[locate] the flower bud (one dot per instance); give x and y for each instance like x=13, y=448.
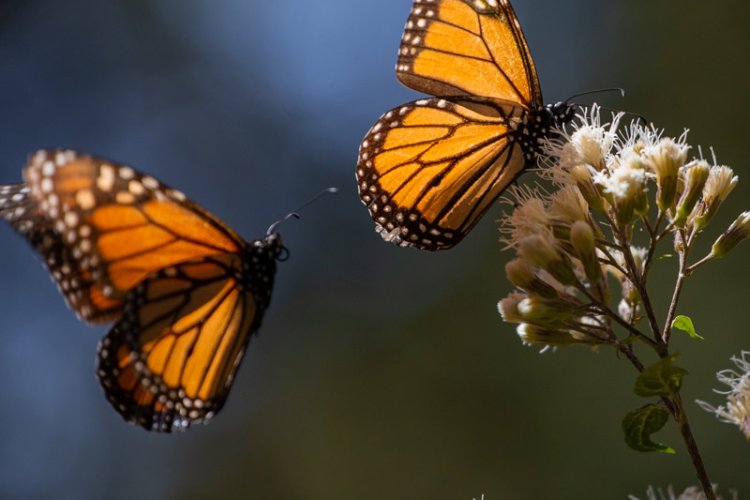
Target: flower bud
x=626, y=310
x=568, y=205
x=582, y=239
x=738, y=231
x=720, y=183
x=695, y=175
x=550, y=312
x=583, y=178
x=508, y=308
x=539, y=335
x=541, y=252
x=629, y=311
x=529, y=216
x=525, y=277
x=665, y=159
x=639, y=258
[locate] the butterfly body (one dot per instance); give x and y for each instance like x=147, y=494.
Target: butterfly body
x=428, y=170
x=185, y=291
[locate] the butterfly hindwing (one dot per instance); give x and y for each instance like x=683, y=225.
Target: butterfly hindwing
x=467, y=47
x=170, y=360
x=429, y=169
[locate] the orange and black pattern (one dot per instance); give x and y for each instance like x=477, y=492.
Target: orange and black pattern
x=185, y=291
x=428, y=170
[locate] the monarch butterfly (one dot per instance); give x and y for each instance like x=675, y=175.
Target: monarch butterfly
x=185, y=291
x=428, y=170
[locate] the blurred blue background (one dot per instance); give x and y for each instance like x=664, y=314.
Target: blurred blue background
x=379, y=372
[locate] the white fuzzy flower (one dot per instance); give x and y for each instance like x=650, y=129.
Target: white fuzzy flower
x=737, y=409
x=690, y=493
x=665, y=159
x=624, y=181
x=720, y=183
x=529, y=217
x=589, y=142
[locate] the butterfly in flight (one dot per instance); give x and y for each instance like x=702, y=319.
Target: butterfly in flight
x=428, y=170
x=184, y=290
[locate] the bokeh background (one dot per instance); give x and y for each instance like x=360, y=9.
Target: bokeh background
x=379, y=372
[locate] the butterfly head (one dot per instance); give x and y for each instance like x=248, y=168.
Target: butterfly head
x=272, y=247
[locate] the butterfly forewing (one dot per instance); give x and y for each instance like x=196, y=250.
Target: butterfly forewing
x=117, y=224
x=467, y=47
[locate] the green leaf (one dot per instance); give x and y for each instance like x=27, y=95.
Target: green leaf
x=685, y=324
x=640, y=424
x=660, y=379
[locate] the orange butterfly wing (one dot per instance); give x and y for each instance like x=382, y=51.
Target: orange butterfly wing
x=468, y=47
x=428, y=170
x=170, y=360
x=113, y=227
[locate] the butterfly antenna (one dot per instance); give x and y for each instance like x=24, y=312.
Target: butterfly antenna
x=644, y=121
x=294, y=213
x=641, y=118
x=597, y=91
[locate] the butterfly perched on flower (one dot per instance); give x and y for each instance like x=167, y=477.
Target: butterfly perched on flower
x=184, y=290
x=428, y=170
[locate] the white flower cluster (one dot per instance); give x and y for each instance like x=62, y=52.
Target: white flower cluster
x=606, y=181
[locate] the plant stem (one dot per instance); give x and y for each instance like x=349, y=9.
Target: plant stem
x=690, y=270
x=655, y=238
x=675, y=407
x=628, y=352
x=692, y=446
x=604, y=308
x=681, y=275
x=637, y=280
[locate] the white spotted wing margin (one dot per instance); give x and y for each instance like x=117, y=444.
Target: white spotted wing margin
x=21, y=211
x=169, y=362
